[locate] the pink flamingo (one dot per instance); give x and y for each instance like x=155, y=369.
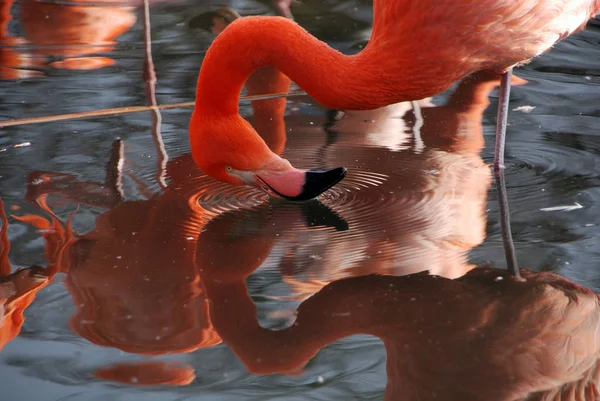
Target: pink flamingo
x=418, y=48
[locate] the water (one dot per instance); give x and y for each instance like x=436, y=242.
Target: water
x=146, y=284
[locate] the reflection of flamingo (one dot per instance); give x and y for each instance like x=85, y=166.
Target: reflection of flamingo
x=144, y=247
x=483, y=326
x=134, y=278
x=417, y=49
x=487, y=335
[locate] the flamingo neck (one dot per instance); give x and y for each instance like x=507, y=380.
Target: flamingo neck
x=332, y=78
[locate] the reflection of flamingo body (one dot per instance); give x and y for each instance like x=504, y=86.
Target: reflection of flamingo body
x=460, y=37
x=486, y=335
x=111, y=259
x=14, y=64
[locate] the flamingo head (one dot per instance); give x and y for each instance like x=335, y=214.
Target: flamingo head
x=229, y=150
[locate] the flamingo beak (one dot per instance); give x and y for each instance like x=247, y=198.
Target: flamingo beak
x=300, y=185
x=294, y=184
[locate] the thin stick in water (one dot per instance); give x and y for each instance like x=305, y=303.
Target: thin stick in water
x=130, y=109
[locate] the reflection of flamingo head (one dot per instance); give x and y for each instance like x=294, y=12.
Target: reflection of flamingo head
x=238, y=241
x=75, y=31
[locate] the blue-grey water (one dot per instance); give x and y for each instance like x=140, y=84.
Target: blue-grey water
x=127, y=278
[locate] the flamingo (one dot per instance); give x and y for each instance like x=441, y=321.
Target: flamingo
x=449, y=140
x=418, y=48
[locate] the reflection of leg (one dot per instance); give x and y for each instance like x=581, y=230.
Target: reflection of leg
x=507, y=240
x=502, y=119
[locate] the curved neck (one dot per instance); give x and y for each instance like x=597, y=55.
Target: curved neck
x=375, y=305
x=332, y=78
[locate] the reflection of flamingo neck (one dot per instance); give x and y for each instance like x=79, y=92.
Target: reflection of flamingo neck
x=333, y=79
x=325, y=318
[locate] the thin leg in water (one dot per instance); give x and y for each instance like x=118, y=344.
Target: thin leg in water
x=502, y=119
x=507, y=240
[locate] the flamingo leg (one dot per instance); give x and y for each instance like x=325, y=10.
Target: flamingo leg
x=501, y=120
x=507, y=240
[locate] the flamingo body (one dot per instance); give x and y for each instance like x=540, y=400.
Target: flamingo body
x=418, y=48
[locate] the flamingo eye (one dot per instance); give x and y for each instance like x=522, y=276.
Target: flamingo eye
x=228, y=169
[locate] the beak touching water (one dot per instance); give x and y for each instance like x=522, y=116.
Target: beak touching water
x=291, y=183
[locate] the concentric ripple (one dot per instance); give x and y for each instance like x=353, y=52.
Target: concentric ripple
x=346, y=193
x=405, y=211
x=217, y=197
x=565, y=160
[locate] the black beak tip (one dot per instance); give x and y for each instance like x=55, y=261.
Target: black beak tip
x=319, y=181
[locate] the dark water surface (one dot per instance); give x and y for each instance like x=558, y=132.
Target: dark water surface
x=143, y=259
